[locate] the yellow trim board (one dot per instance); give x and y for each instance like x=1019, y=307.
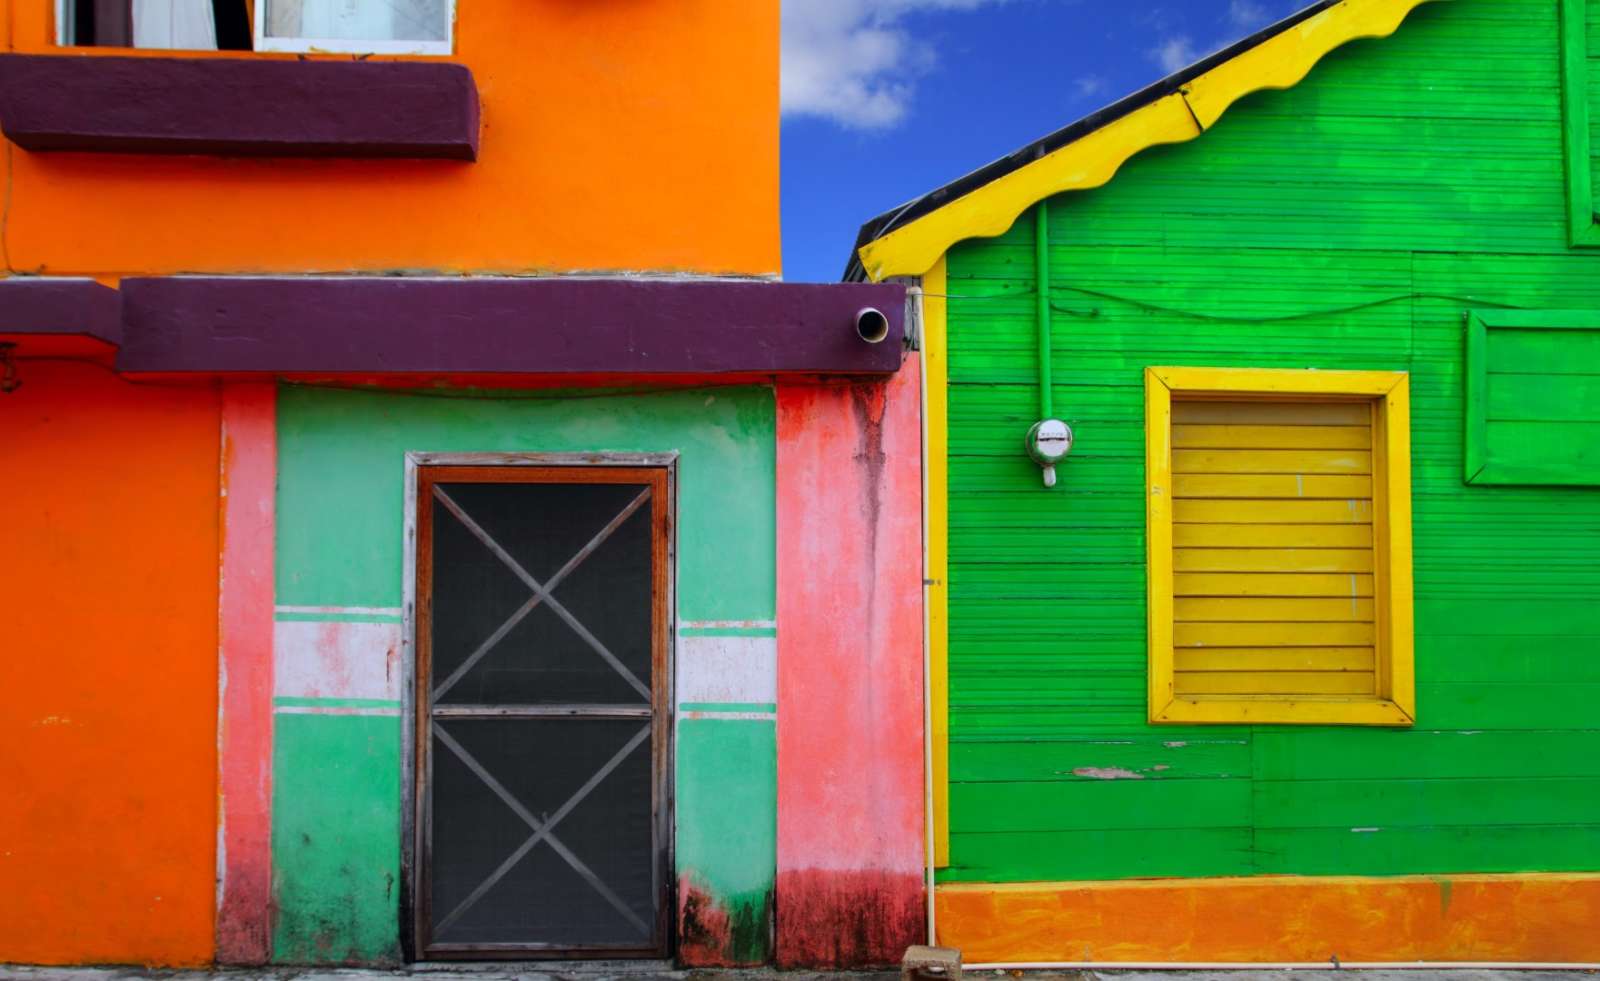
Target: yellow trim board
x=1388, y=393
x=1279, y=62
x=1536, y=918
x=936, y=458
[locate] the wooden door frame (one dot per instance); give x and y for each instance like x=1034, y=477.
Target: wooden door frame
x=414, y=911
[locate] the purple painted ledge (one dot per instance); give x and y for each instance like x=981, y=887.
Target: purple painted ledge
x=381, y=325
x=239, y=106
x=40, y=309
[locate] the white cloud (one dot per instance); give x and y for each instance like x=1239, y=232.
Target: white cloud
x=1248, y=15
x=854, y=61
x=1089, y=86
x=1174, y=53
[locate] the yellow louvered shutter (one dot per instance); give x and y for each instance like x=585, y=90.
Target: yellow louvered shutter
x=1272, y=549
x=1279, y=530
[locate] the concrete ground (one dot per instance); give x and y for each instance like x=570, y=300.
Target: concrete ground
x=635, y=971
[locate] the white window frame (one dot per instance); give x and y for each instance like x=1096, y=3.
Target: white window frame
x=300, y=45
x=308, y=45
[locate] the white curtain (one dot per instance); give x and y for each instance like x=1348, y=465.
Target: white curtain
x=359, y=20
x=187, y=24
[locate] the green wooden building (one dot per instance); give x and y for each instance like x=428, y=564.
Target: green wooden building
x=1299, y=658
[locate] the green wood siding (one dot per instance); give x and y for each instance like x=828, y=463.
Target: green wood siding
x=1347, y=223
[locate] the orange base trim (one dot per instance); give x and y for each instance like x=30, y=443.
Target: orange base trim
x=1544, y=918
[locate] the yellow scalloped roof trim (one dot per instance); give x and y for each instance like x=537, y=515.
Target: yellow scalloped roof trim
x=1279, y=62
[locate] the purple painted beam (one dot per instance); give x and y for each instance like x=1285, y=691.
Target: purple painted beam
x=37, y=306
x=239, y=107
x=504, y=326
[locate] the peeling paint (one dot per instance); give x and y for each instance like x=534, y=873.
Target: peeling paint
x=337, y=660
x=732, y=932
x=1446, y=893
x=1106, y=773
x=868, y=403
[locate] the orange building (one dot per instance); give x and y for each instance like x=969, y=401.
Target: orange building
x=270, y=268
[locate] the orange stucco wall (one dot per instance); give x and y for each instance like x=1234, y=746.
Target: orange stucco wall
x=617, y=135
x=108, y=608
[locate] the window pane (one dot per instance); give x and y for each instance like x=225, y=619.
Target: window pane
x=174, y=24
x=359, y=20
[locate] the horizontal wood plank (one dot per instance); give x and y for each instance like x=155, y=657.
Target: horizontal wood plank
x=1271, y=584
x=1100, y=853
x=1191, y=659
x=1275, y=683
x=1271, y=536
x=1259, y=634
x=1324, y=560
x=1186, y=412
x=1271, y=609
x=1544, y=352
x=1109, y=802
x=1348, y=462
x=1149, y=758
x=1271, y=437
x=1425, y=803
x=1532, y=398
x=1280, y=486
x=1244, y=511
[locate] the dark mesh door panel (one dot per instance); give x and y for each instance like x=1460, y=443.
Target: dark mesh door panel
x=593, y=884
x=544, y=658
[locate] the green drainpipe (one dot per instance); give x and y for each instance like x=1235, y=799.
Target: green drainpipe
x=1041, y=266
x=1049, y=440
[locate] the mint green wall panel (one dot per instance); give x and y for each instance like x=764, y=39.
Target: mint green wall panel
x=727, y=835
x=1346, y=223
x=340, y=549
x=337, y=792
x=336, y=839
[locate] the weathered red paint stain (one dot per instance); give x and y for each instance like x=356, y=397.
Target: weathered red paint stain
x=722, y=933
x=847, y=919
x=702, y=928
x=849, y=889
x=249, y=474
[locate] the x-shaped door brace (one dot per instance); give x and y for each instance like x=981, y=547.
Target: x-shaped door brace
x=542, y=830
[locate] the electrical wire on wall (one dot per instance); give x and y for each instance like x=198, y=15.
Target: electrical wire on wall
x=1151, y=307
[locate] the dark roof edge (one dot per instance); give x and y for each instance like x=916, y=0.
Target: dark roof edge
x=877, y=227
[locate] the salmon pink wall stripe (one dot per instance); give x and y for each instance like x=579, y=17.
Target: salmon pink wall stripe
x=244, y=723
x=850, y=791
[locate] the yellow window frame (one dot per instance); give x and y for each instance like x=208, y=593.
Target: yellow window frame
x=1388, y=393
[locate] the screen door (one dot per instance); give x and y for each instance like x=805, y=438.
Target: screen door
x=541, y=710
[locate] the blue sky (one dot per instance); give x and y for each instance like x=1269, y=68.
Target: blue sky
x=886, y=99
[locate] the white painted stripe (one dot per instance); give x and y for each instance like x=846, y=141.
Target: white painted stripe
x=758, y=716
x=727, y=669
x=336, y=660
x=333, y=710
x=357, y=611
x=728, y=624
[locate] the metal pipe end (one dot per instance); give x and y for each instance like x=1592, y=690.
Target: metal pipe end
x=871, y=325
